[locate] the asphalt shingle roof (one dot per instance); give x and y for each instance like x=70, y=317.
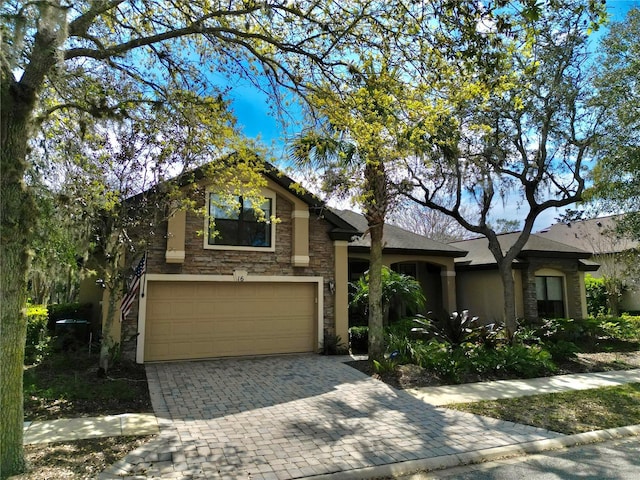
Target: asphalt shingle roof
x=479, y=253
x=396, y=238
x=593, y=235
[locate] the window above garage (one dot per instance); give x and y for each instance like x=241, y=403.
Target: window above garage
x=237, y=223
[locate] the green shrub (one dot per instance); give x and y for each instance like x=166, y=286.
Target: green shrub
x=359, y=339
x=439, y=358
x=596, y=295
x=399, y=340
x=332, y=344
x=397, y=289
x=402, y=327
x=570, y=330
x=526, y=361
x=626, y=327
x=38, y=340
x=561, y=349
x=385, y=365
x=523, y=360
x=457, y=327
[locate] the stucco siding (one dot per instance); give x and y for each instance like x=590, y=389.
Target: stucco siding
x=481, y=293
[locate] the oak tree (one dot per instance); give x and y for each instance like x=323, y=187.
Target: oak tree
x=616, y=176
x=69, y=57
x=520, y=132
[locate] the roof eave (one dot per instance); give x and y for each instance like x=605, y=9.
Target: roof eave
x=409, y=251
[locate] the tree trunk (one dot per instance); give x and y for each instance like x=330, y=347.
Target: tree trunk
x=12, y=342
x=376, y=317
x=612, y=301
x=109, y=346
x=510, y=319
x=16, y=219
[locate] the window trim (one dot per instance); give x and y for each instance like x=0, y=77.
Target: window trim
x=267, y=194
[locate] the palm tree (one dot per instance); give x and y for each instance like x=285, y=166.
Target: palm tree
x=397, y=289
x=348, y=167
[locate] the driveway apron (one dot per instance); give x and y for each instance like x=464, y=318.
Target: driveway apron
x=296, y=416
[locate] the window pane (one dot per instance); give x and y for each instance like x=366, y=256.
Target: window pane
x=227, y=233
x=554, y=288
x=239, y=225
x=218, y=209
x=248, y=213
x=256, y=234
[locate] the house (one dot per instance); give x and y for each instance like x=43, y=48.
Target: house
x=548, y=275
x=619, y=257
x=261, y=288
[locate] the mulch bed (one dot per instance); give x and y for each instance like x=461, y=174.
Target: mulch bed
x=413, y=376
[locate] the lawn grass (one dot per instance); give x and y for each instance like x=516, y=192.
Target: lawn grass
x=567, y=412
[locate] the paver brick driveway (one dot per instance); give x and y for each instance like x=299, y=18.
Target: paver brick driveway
x=295, y=416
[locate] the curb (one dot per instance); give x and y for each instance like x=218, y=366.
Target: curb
x=480, y=456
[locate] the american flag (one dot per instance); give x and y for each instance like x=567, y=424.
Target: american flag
x=127, y=301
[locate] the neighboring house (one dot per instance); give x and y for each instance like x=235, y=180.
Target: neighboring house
x=619, y=257
x=428, y=261
x=549, y=279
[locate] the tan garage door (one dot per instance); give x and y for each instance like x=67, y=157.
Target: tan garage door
x=188, y=320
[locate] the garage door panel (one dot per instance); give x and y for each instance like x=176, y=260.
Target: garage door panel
x=186, y=320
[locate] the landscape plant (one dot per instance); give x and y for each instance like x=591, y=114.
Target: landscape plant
x=398, y=290
x=38, y=337
x=596, y=295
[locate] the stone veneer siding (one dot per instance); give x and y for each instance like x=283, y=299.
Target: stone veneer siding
x=201, y=261
x=573, y=286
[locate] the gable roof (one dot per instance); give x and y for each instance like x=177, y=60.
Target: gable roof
x=479, y=254
x=595, y=235
x=341, y=230
x=396, y=239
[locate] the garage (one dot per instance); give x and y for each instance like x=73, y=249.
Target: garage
x=192, y=319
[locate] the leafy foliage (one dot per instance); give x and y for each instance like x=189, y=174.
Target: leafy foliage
x=359, y=339
x=564, y=337
x=396, y=289
x=519, y=131
x=616, y=177
x=532, y=353
x=596, y=295
x=333, y=344
x=38, y=339
x=459, y=328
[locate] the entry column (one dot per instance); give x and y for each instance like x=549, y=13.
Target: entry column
x=448, y=278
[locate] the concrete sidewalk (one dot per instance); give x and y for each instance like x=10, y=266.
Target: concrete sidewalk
x=474, y=392
x=90, y=427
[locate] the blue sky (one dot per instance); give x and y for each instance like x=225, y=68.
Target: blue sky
x=251, y=107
